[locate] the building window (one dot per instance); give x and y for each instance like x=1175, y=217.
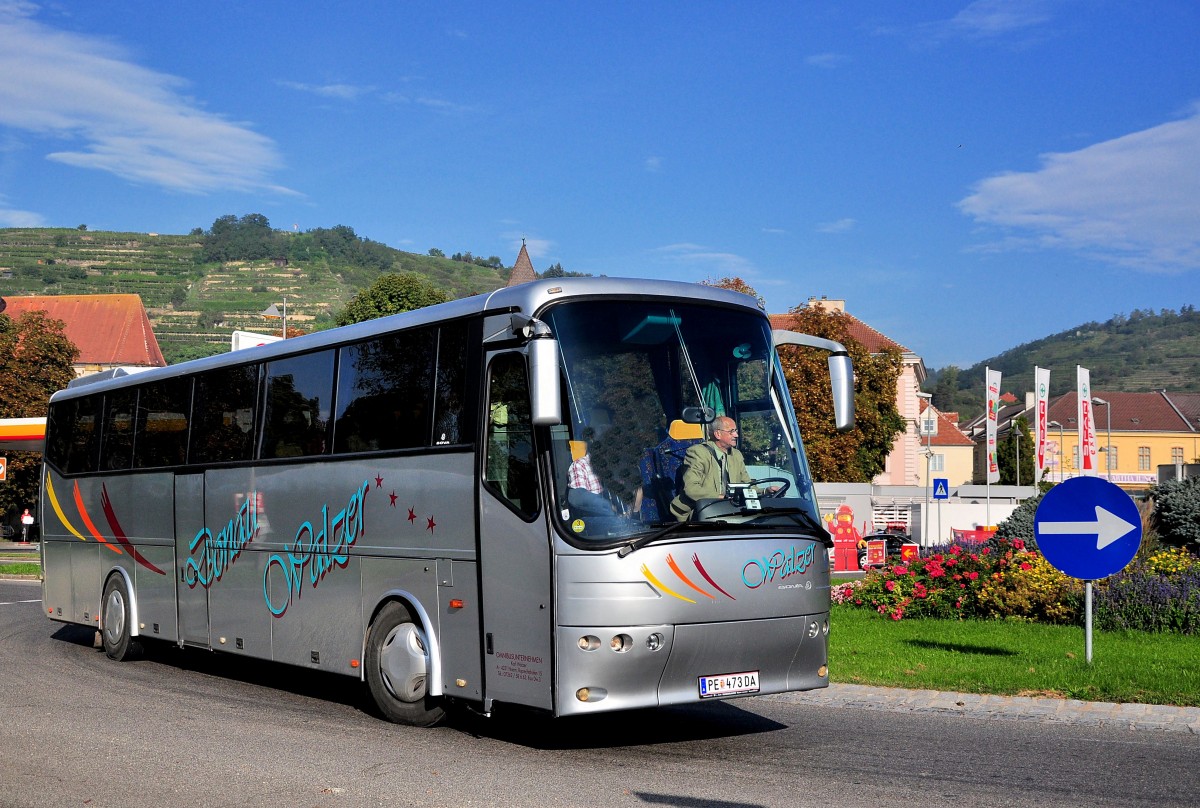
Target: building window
x=1177, y=455
x=1110, y=458
x=1075, y=456
x=937, y=462
x=1143, y=458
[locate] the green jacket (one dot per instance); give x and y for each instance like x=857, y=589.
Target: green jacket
x=702, y=478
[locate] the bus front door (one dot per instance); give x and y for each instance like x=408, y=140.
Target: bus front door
x=514, y=547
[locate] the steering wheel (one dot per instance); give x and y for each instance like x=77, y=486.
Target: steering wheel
x=778, y=492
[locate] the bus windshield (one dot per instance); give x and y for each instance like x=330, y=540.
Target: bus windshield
x=644, y=381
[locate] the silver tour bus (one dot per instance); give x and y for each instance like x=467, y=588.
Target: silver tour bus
x=469, y=503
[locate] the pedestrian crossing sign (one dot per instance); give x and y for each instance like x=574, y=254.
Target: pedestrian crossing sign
x=941, y=488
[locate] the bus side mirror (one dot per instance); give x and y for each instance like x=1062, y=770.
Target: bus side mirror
x=841, y=379
x=544, y=375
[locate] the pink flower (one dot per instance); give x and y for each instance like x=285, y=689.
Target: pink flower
x=955, y=550
x=1025, y=566
x=899, y=569
x=1018, y=544
x=971, y=576
x=890, y=586
x=896, y=615
x=985, y=551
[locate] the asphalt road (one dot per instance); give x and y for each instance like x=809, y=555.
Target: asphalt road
x=195, y=728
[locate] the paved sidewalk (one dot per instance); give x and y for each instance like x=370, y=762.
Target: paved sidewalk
x=1005, y=708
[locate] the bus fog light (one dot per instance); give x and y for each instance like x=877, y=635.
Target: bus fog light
x=591, y=694
x=621, y=643
x=814, y=629
x=823, y=671
x=655, y=641
x=825, y=627
x=589, y=643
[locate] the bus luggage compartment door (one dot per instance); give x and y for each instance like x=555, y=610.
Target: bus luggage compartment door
x=193, y=599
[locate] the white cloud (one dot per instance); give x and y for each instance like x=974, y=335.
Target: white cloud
x=839, y=226
x=1133, y=200
x=119, y=117
x=826, y=60
x=719, y=263
x=653, y=164
x=21, y=218
x=991, y=18
x=536, y=247
x=345, y=92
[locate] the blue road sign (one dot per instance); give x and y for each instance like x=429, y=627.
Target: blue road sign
x=1088, y=528
x=941, y=488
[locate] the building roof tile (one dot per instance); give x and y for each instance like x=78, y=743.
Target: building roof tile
x=109, y=330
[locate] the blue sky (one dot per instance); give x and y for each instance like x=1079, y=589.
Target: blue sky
x=968, y=176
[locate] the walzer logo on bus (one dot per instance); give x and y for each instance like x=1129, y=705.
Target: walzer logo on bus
x=783, y=563
x=319, y=550
x=218, y=554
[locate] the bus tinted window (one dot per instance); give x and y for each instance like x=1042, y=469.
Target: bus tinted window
x=448, y=424
x=384, y=393
x=73, y=442
x=223, y=410
x=299, y=395
x=117, y=442
x=162, y=422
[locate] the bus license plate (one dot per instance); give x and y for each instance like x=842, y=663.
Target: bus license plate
x=728, y=684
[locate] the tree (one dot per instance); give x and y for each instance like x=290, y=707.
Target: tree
x=946, y=389
x=858, y=455
x=736, y=284
x=391, y=294
x=434, y=252
x=35, y=360
x=1177, y=512
x=1007, y=451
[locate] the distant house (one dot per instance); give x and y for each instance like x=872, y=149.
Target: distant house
x=109, y=330
x=522, y=271
x=905, y=465
x=1137, y=433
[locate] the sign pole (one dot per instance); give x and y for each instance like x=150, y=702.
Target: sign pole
x=1087, y=621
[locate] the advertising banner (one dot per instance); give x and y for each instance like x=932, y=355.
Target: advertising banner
x=1041, y=392
x=993, y=407
x=1087, y=422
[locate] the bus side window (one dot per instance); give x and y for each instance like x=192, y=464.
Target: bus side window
x=73, y=435
x=509, y=469
x=223, y=411
x=116, y=452
x=299, y=395
x=162, y=423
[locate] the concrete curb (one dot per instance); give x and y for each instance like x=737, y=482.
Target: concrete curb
x=1005, y=708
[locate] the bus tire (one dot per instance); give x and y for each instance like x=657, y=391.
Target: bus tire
x=398, y=668
x=116, y=621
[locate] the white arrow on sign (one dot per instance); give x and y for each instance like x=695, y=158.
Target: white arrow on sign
x=1107, y=528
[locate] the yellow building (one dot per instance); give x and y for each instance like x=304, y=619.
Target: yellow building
x=1136, y=433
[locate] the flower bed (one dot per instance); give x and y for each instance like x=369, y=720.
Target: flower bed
x=1007, y=580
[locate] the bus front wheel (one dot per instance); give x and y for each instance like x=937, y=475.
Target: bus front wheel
x=116, y=621
x=398, y=668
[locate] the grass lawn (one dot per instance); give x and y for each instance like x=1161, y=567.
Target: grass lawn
x=1012, y=658
x=20, y=568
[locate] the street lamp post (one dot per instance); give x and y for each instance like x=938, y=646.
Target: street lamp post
x=928, y=397
x=1061, y=473
x=1108, y=464
x=272, y=312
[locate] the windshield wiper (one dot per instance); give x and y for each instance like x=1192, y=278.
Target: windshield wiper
x=642, y=541
x=801, y=515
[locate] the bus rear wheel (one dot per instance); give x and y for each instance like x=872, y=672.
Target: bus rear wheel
x=116, y=621
x=398, y=669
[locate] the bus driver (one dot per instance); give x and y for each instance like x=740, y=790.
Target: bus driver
x=709, y=468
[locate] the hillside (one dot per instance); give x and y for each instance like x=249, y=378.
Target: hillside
x=194, y=304
x=1138, y=352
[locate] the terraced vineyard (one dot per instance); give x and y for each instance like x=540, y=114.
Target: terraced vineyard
x=195, y=306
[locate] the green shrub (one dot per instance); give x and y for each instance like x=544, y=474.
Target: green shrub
x=1176, y=515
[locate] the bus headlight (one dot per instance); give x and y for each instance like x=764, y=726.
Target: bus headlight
x=655, y=641
x=589, y=643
